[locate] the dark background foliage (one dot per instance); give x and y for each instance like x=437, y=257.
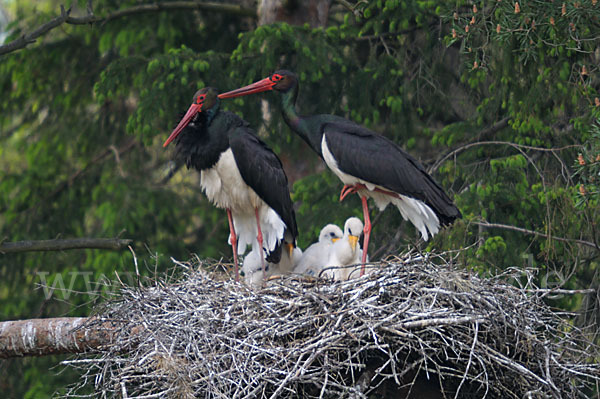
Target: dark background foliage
x=499, y=102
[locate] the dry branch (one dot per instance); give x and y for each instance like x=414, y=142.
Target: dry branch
x=411, y=319
x=40, y=337
x=519, y=147
x=537, y=233
x=61, y=245
x=90, y=18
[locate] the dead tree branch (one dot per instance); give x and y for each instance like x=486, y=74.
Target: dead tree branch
x=41, y=337
x=537, y=233
x=61, y=245
x=90, y=18
x=495, y=142
x=29, y=38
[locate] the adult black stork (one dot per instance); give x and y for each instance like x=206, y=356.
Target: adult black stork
x=239, y=173
x=367, y=163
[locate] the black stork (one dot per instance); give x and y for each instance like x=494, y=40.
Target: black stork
x=239, y=173
x=367, y=163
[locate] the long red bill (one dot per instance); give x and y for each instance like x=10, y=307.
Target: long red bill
x=256, y=87
x=191, y=112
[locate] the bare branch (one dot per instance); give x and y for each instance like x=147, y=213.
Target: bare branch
x=61, y=245
x=501, y=124
x=90, y=18
x=496, y=142
x=350, y=7
x=129, y=145
x=41, y=337
x=537, y=233
x=29, y=38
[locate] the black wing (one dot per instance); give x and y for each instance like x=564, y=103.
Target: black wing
x=262, y=170
x=374, y=158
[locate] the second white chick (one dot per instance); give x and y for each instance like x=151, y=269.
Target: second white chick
x=252, y=266
x=289, y=260
x=346, y=252
x=316, y=256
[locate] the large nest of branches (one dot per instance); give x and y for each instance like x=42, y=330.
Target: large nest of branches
x=415, y=327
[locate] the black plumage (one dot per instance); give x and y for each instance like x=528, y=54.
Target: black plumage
x=366, y=162
x=210, y=132
x=369, y=156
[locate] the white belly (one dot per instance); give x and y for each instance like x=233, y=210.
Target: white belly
x=414, y=210
x=225, y=188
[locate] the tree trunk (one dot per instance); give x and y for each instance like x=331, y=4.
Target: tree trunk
x=294, y=12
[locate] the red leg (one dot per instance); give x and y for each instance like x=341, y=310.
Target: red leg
x=367, y=232
x=233, y=244
x=259, y=238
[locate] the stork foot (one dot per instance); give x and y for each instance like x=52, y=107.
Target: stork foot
x=349, y=189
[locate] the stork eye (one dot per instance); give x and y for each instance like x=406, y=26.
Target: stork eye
x=277, y=77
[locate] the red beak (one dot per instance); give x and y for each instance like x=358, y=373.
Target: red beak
x=191, y=112
x=257, y=87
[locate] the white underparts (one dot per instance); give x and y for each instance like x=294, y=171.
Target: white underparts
x=225, y=188
x=417, y=212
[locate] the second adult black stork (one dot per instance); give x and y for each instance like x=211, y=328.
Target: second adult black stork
x=239, y=173
x=367, y=163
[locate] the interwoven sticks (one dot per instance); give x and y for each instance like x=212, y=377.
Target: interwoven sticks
x=414, y=324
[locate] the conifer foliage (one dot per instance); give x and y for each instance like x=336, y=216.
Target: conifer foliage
x=498, y=99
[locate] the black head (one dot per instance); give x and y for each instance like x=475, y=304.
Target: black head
x=205, y=100
x=284, y=80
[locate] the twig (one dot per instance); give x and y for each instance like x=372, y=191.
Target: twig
x=350, y=7
x=129, y=145
x=537, y=233
x=495, y=142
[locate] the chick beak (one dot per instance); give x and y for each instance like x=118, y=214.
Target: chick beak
x=353, y=242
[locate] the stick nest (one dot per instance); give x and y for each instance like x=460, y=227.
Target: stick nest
x=413, y=327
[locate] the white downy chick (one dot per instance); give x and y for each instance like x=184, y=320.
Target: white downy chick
x=252, y=266
x=346, y=252
x=316, y=256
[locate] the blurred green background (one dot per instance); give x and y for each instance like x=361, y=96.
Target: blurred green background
x=500, y=104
